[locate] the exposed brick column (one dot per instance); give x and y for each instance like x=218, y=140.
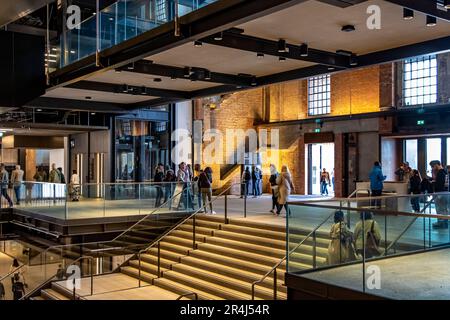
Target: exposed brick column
x=300, y=187
x=338, y=164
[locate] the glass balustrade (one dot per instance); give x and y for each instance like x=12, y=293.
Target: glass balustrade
x=119, y=22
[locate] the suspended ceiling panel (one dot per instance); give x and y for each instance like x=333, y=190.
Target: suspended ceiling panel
x=319, y=25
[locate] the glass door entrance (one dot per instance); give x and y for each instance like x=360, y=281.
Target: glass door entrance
x=320, y=157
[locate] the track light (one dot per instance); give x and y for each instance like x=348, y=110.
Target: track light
x=281, y=59
x=431, y=21
x=447, y=4
x=143, y=90
x=124, y=88
x=38, y=110
x=408, y=14
x=304, y=50
x=218, y=36
x=187, y=72
x=253, y=82
x=198, y=44
x=353, y=60
x=282, y=46
x=260, y=55
x=207, y=75
x=157, y=80
x=131, y=66
x=331, y=68
x=173, y=78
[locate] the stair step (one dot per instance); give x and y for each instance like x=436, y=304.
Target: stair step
x=254, y=248
x=153, y=259
x=200, y=230
x=146, y=278
x=223, y=281
x=180, y=289
x=51, y=294
x=146, y=267
x=211, y=288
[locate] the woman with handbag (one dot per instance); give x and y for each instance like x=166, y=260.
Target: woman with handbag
x=367, y=236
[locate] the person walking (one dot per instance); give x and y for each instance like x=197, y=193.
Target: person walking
x=440, y=200
x=169, y=184
x=4, y=181
x=376, y=183
x=273, y=186
x=367, y=236
x=325, y=181
x=74, y=186
x=205, y=184
x=16, y=181
x=340, y=248
x=285, y=187
x=415, y=189
x=158, y=178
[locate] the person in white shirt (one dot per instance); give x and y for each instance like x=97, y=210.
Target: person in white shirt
x=16, y=181
x=75, y=186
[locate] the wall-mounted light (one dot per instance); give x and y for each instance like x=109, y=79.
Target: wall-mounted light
x=282, y=46
x=207, y=75
x=218, y=36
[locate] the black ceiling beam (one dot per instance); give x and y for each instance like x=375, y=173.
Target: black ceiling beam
x=77, y=105
x=428, y=7
x=214, y=18
x=153, y=103
x=133, y=90
x=405, y=52
x=244, y=42
x=198, y=74
x=342, y=3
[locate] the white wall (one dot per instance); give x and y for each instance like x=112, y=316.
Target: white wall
x=183, y=120
x=57, y=156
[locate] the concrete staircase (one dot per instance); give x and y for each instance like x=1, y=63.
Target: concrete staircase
x=227, y=260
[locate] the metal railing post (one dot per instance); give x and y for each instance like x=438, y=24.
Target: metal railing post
x=275, y=284
x=92, y=275
x=139, y=271
x=226, y=209
x=245, y=201
x=193, y=233
x=159, y=259
x=314, y=250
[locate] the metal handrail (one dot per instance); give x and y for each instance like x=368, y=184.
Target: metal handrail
x=160, y=238
x=187, y=295
x=11, y=272
x=91, y=270
x=356, y=193
x=284, y=259
x=44, y=253
x=394, y=242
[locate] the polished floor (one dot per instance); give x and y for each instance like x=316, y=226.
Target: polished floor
x=423, y=276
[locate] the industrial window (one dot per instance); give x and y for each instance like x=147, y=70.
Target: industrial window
x=420, y=80
x=319, y=97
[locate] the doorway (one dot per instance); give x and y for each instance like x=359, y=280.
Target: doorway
x=319, y=156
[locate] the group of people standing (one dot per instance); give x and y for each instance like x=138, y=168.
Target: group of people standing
x=255, y=178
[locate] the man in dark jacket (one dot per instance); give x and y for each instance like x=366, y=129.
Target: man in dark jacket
x=440, y=201
x=415, y=183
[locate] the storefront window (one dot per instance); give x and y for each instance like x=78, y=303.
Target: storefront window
x=140, y=146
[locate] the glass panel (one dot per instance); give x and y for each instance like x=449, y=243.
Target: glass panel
x=411, y=153
x=433, y=153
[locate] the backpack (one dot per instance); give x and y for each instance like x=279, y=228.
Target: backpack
x=204, y=180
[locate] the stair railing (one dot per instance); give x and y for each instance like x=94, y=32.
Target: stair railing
x=187, y=295
x=11, y=272
x=355, y=193
x=157, y=242
x=274, y=269
x=393, y=244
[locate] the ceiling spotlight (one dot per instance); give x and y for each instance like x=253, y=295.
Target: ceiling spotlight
x=348, y=28
x=143, y=90
x=118, y=70
x=198, y=44
x=218, y=36
x=282, y=46
x=304, y=50
x=157, y=80
x=187, y=72
x=88, y=98
x=38, y=110
x=173, y=78
x=124, y=88
x=207, y=75
x=131, y=66
x=92, y=113
x=253, y=82
x=260, y=55
x=431, y=21
x=353, y=60
x=331, y=68
x=282, y=59
x=408, y=14
x=447, y=4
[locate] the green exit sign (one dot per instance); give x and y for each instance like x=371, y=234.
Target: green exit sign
x=317, y=130
x=420, y=122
